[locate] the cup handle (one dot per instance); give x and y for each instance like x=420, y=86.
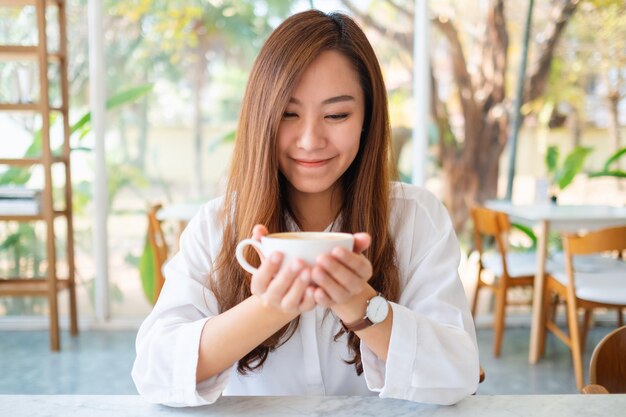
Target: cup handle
x=240, y=256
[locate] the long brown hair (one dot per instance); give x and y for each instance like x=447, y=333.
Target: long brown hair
x=256, y=192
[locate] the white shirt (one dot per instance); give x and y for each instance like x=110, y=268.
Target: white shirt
x=432, y=354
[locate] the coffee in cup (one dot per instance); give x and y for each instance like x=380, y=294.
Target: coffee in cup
x=306, y=246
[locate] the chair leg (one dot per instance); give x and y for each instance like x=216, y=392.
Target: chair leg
x=620, y=317
x=584, y=331
x=549, y=314
x=499, y=316
x=475, y=299
x=73, y=310
x=574, y=336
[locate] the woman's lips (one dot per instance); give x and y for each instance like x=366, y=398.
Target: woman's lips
x=311, y=163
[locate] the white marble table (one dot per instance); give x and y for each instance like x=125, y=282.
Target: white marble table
x=561, y=218
x=475, y=406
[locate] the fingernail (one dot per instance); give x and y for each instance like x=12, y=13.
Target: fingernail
x=275, y=258
x=338, y=251
x=305, y=276
x=296, y=265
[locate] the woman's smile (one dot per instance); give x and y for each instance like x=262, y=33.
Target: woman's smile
x=312, y=163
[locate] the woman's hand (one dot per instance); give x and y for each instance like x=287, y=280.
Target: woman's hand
x=285, y=288
x=342, y=274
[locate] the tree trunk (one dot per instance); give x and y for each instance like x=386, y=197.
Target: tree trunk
x=616, y=141
x=140, y=160
x=573, y=121
x=199, y=78
x=470, y=160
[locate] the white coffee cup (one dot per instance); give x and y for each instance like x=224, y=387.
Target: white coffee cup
x=306, y=246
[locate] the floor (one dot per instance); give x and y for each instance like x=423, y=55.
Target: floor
x=99, y=362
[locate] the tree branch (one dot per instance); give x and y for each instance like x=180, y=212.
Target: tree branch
x=405, y=40
x=540, y=68
x=403, y=10
x=495, y=47
x=461, y=75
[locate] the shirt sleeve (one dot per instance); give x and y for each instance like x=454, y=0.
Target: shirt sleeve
x=433, y=355
x=168, y=341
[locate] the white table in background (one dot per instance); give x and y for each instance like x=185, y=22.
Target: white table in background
x=560, y=218
x=478, y=405
x=180, y=212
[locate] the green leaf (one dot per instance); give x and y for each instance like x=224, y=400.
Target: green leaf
x=119, y=99
x=614, y=173
x=147, y=272
x=527, y=231
x=552, y=157
x=573, y=165
x=617, y=155
x=226, y=138
x=11, y=241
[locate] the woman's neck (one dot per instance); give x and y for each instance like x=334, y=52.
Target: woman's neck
x=315, y=212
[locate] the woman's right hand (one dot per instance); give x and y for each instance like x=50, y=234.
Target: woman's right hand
x=286, y=288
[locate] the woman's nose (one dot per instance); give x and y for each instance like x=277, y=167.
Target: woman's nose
x=312, y=138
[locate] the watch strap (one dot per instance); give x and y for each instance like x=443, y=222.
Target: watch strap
x=355, y=326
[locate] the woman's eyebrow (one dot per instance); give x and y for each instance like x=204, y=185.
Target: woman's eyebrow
x=336, y=99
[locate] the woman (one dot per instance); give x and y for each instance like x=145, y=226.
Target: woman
x=312, y=154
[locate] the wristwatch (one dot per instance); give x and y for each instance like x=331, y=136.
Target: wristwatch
x=376, y=312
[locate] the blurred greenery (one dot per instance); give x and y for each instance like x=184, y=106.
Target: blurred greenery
x=611, y=166
x=22, y=245
x=561, y=175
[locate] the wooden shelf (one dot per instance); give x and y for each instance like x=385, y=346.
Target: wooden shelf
x=29, y=217
x=22, y=3
x=25, y=52
x=26, y=162
x=20, y=107
x=30, y=286
x=28, y=107
x=40, y=210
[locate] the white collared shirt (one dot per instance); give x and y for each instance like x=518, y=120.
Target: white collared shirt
x=432, y=357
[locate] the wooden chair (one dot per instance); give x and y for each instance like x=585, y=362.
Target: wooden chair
x=156, y=239
x=607, y=370
x=605, y=287
x=509, y=269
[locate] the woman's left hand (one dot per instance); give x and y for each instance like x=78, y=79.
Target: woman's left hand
x=342, y=274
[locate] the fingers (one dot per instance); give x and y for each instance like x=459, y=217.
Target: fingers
x=258, y=231
x=358, y=264
x=362, y=241
x=341, y=275
x=294, y=295
x=262, y=278
x=331, y=287
x=308, y=301
x=321, y=298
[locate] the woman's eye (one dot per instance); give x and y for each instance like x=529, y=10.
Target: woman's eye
x=289, y=115
x=338, y=116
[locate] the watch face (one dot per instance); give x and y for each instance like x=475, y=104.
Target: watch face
x=377, y=309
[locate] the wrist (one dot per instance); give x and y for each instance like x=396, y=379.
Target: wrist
x=354, y=309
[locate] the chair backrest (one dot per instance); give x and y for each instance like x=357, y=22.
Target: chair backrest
x=604, y=240
x=157, y=241
x=611, y=239
x=608, y=362
x=491, y=223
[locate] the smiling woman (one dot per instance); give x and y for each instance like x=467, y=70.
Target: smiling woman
x=388, y=318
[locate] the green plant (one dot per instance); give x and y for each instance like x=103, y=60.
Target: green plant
x=561, y=175
x=607, y=171
x=22, y=245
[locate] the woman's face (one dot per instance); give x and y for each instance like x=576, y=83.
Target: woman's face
x=319, y=134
